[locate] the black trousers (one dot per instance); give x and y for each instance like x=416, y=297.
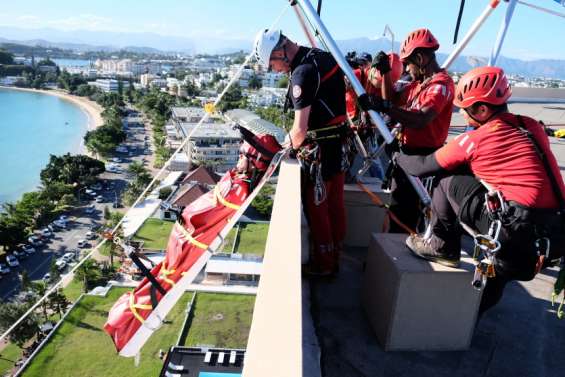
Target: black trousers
x=461, y=198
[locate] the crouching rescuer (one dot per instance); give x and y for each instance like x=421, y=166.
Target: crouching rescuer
x=317, y=92
x=500, y=180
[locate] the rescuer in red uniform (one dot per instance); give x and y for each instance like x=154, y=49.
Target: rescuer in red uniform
x=317, y=92
x=511, y=154
x=423, y=109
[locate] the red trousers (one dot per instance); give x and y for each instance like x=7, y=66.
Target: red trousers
x=327, y=222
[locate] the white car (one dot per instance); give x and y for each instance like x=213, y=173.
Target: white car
x=99, y=199
x=90, y=209
x=68, y=257
x=116, y=160
x=64, y=218
x=47, y=277
x=90, y=235
x=61, y=264
x=60, y=224
x=35, y=241
x=28, y=249
x=12, y=261
x=20, y=254
x=46, y=232
x=4, y=269
x=82, y=243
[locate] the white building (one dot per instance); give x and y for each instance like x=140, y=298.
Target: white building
x=110, y=85
x=271, y=79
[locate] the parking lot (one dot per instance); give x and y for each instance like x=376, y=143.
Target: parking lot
x=83, y=219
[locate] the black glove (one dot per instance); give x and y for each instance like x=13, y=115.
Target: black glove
x=381, y=63
x=367, y=103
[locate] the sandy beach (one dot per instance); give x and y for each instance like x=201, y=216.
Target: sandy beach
x=91, y=108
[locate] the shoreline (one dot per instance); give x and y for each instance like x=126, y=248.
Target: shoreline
x=92, y=110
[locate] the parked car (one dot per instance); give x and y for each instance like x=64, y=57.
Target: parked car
x=90, y=235
x=99, y=199
x=68, y=257
x=46, y=233
x=20, y=254
x=46, y=277
x=12, y=261
x=52, y=228
x=97, y=186
x=35, y=241
x=28, y=249
x=90, y=209
x=116, y=160
x=82, y=243
x=61, y=264
x=60, y=224
x=4, y=269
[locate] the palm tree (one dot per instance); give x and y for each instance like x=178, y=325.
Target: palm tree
x=58, y=303
x=40, y=287
x=87, y=273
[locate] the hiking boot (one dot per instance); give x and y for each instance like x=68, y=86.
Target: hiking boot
x=435, y=249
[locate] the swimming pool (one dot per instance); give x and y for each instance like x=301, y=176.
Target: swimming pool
x=216, y=374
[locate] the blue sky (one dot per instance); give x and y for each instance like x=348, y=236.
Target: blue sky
x=532, y=34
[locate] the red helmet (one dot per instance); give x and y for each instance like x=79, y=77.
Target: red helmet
x=396, y=68
x=260, y=150
x=420, y=38
x=482, y=84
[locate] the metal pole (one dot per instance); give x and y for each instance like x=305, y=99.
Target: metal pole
x=472, y=31
x=302, y=23
x=389, y=30
x=338, y=56
x=502, y=33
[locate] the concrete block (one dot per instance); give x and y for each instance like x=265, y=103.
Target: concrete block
x=363, y=216
x=416, y=305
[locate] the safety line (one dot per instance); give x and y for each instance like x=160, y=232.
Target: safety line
x=558, y=14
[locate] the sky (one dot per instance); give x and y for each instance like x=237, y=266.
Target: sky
x=532, y=34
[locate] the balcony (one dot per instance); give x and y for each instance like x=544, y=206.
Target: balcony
x=307, y=327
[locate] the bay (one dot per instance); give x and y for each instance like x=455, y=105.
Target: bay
x=33, y=126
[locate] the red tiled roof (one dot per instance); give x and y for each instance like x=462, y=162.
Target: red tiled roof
x=201, y=175
x=189, y=194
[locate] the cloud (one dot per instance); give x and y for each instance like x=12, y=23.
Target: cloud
x=89, y=22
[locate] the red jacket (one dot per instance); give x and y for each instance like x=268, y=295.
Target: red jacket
x=504, y=158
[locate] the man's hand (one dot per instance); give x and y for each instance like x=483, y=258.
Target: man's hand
x=382, y=63
x=367, y=103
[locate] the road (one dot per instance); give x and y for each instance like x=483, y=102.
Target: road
x=66, y=240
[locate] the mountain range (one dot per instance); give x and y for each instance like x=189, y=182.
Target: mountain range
x=144, y=42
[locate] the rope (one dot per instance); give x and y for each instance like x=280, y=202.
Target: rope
x=142, y=195
x=558, y=14
x=375, y=199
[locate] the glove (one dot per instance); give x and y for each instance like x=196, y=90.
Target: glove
x=381, y=63
x=367, y=103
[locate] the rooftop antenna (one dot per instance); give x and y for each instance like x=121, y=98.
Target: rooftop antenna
x=389, y=31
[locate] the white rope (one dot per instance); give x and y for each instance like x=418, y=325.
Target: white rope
x=558, y=14
x=185, y=142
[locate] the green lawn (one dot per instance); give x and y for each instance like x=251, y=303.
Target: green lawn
x=8, y=356
x=73, y=290
x=251, y=239
x=81, y=348
x=222, y=320
x=154, y=233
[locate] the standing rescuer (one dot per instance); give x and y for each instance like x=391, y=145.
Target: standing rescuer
x=317, y=92
x=511, y=154
x=423, y=109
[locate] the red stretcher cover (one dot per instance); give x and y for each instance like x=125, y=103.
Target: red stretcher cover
x=203, y=221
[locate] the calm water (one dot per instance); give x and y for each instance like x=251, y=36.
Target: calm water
x=33, y=126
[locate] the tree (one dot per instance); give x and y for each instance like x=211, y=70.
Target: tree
x=283, y=82
x=25, y=280
x=263, y=202
x=6, y=58
x=233, y=99
x=58, y=302
x=13, y=229
x=10, y=312
x=41, y=288
x=71, y=170
x=255, y=82
x=54, y=273
x=87, y=273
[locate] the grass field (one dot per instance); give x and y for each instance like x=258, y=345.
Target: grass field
x=154, y=233
x=251, y=239
x=8, y=356
x=81, y=348
x=222, y=320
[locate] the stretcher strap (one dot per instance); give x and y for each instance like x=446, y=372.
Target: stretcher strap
x=133, y=307
x=191, y=239
x=164, y=273
x=375, y=199
x=222, y=200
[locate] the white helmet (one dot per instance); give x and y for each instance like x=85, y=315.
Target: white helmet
x=265, y=42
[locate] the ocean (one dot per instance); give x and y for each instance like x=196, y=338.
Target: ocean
x=32, y=127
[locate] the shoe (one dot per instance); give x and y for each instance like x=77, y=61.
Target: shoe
x=435, y=250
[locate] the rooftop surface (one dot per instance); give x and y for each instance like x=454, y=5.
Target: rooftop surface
x=211, y=130
x=521, y=336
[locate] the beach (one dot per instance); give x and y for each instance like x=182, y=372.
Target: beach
x=91, y=108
